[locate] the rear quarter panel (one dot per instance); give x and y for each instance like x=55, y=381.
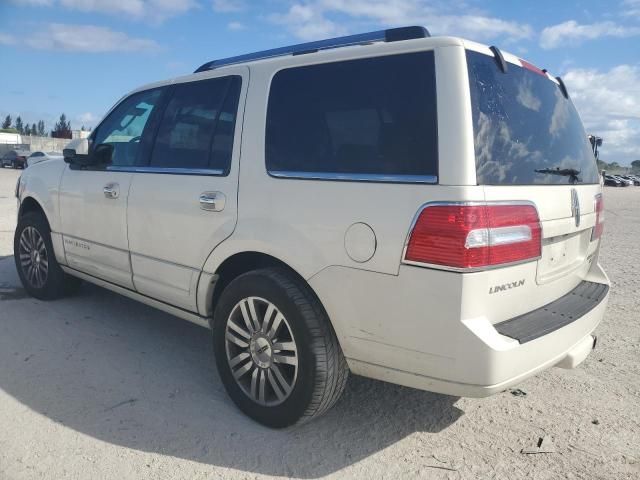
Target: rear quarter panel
x=304, y=222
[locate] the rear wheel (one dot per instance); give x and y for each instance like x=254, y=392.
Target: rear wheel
x=276, y=352
x=37, y=267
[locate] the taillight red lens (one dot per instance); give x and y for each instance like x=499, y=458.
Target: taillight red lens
x=599, y=227
x=474, y=236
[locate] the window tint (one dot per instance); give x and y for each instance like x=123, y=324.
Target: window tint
x=123, y=128
x=525, y=131
x=368, y=117
x=197, y=126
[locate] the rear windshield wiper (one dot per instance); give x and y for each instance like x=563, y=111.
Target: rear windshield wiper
x=572, y=173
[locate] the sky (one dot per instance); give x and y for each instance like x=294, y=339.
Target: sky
x=80, y=56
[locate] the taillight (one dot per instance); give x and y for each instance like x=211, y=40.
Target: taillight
x=475, y=236
x=596, y=233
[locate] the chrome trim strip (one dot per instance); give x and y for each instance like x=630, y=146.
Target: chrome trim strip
x=174, y=171
x=355, y=177
x=435, y=266
x=472, y=269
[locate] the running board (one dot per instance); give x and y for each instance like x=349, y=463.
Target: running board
x=165, y=307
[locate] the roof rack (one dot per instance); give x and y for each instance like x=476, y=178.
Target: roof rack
x=389, y=35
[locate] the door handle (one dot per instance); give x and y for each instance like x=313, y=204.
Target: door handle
x=212, y=201
x=111, y=190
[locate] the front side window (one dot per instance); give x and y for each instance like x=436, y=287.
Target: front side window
x=372, y=118
x=126, y=124
x=197, y=127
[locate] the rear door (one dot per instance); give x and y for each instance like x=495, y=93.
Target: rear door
x=530, y=145
x=183, y=202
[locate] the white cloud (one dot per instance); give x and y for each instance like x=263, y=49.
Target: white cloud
x=609, y=104
x=87, y=38
x=6, y=39
x=229, y=6
x=37, y=3
x=235, y=26
x=87, y=118
x=152, y=10
x=308, y=22
x=573, y=33
x=631, y=8
x=324, y=18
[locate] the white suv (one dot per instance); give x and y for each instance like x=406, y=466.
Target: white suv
x=424, y=211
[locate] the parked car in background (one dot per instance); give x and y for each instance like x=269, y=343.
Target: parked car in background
x=635, y=180
x=15, y=158
x=37, y=157
x=611, y=181
x=624, y=181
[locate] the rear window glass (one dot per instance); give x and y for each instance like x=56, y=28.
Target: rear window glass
x=525, y=131
x=197, y=126
x=371, y=118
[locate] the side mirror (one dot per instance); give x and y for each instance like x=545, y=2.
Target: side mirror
x=77, y=152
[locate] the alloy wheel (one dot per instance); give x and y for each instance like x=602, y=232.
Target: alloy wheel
x=261, y=351
x=34, y=259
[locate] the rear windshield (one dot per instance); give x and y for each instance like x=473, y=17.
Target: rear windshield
x=525, y=131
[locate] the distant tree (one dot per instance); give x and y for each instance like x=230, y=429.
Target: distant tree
x=34, y=129
x=62, y=129
x=82, y=128
x=19, y=125
x=26, y=130
x=614, y=165
x=7, y=122
x=41, y=130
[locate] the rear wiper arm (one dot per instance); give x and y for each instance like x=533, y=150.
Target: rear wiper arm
x=565, y=172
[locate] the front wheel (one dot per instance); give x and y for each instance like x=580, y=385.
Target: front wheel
x=276, y=352
x=36, y=263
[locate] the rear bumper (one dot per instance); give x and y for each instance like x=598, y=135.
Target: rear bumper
x=557, y=314
x=411, y=339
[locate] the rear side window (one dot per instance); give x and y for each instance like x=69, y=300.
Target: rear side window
x=197, y=127
x=371, y=119
x=525, y=131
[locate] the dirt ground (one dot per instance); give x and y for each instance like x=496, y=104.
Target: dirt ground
x=100, y=387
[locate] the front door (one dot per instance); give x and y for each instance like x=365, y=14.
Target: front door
x=93, y=201
x=184, y=202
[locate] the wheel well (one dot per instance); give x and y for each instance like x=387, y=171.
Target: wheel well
x=244, y=262
x=29, y=205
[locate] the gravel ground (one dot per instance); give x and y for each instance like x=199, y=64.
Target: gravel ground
x=99, y=386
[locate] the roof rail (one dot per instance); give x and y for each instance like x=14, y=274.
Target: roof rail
x=389, y=35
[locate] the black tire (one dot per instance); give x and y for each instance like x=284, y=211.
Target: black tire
x=56, y=282
x=322, y=370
